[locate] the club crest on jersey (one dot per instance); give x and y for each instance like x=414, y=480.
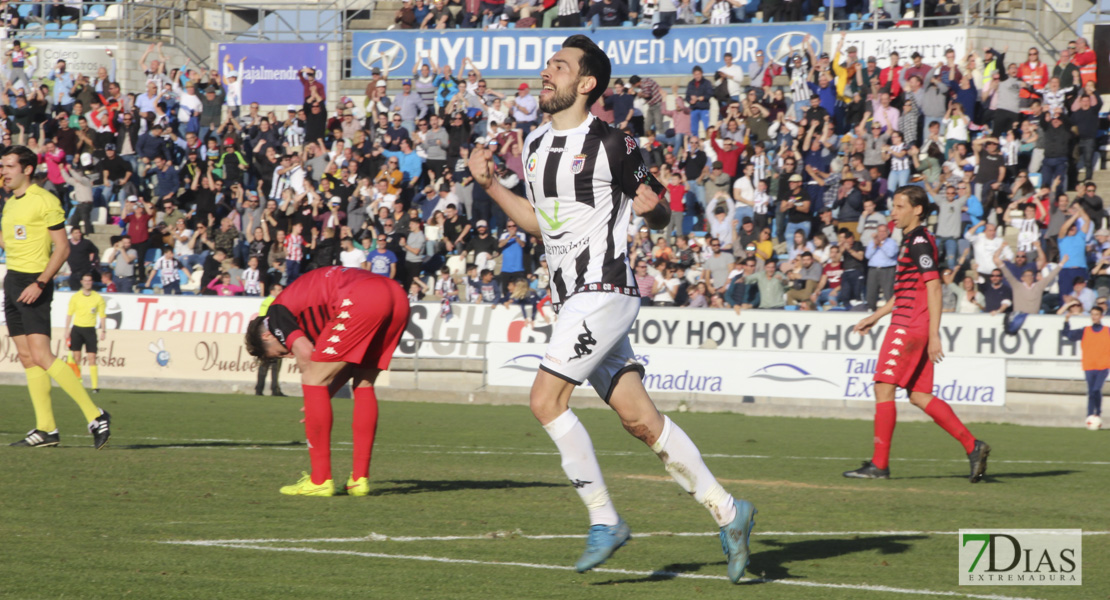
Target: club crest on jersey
x=629, y=144
x=530, y=171
x=578, y=163
x=20, y=232
x=926, y=262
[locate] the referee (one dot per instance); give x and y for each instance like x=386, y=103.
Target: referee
x=84, y=308
x=32, y=221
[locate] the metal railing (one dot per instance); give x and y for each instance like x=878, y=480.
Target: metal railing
x=415, y=356
x=151, y=21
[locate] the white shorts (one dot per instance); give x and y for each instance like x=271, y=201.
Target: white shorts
x=590, y=340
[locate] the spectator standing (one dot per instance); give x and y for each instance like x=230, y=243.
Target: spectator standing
x=698, y=92
x=882, y=257
x=1095, y=347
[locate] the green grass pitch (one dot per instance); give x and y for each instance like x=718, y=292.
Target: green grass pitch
x=204, y=468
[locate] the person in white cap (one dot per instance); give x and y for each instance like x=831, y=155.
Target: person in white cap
x=234, y=98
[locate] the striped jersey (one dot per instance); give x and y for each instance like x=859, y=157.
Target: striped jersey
x=581, y=183
x=168, y=269
x=917, y=264
x=294, y=247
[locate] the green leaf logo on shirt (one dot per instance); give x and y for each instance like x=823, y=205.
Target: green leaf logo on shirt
x=553, y=223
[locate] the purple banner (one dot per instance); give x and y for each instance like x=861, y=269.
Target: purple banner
x=268, y=72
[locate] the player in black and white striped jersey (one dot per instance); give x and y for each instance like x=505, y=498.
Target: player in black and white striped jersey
x=168, y=268
x=584, y=181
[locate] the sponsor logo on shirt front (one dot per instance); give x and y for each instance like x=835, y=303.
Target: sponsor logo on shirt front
x=20, y=232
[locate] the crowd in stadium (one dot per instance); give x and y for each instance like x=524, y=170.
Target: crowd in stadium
x=661, y=15
x=779, y=194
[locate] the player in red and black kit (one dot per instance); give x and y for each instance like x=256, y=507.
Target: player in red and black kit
x=912, y=342
x=339, y=324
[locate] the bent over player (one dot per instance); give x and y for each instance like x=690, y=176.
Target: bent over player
x=339, y=324
x=912, y=342
x=583, y=181
x=33, y=220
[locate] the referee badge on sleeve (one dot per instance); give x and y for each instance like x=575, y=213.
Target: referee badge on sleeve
x=578, y=163
x=20, y=232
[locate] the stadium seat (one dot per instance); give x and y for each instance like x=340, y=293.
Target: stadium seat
x=69, y=29
x=95, y=11
x=99, y=215
x=112, y=13
x=24, y=9
x=87, y=32
x=152, y=255
x=756, y=20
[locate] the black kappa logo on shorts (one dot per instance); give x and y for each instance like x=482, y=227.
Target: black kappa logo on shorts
x=585, y=343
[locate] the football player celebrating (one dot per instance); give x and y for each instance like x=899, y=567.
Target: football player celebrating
x=912, y=343
x=584, y=181
x=339, y=324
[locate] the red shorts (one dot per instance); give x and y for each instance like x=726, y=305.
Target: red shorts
x=904, y=360
x=370, y=317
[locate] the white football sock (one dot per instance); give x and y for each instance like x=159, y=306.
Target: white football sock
x=580, y=465
x=683, y=461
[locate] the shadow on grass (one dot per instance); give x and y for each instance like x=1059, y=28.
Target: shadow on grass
x=289, y=444
x=1001, y=477
x=771, y=564
x=418, y=486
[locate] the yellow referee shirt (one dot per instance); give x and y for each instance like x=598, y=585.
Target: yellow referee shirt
x=85, y=309
x=26, y=223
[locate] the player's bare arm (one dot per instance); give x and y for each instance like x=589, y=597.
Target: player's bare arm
x=516, y=208
x=57, y=258
x=869, y=321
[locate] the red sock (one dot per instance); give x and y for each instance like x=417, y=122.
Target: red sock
x=364, y=427
x=317, y=428
x=885, y=417
x=942, y=414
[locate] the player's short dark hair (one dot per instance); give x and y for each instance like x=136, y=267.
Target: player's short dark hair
x=252, y=340
x=917, y=197
x=594, y=63
x=27, y=158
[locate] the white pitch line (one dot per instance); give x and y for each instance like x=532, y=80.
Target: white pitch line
x=518, y=452
x=668, y=574
x=502, y=535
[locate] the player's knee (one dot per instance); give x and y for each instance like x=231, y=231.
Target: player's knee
x=544, y=407
x=639, y=430
x=26, y=358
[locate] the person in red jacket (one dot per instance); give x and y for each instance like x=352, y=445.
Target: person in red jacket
x=729, y=154
x=891, y=76
x=1086, y=61
x=1033, y=72
x=339, y=323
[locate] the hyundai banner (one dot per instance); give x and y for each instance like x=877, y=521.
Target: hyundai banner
x=974, y=381
x=523, y=53
x=268, y=72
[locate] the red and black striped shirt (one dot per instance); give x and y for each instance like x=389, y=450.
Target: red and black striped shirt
x=305, y=307
x=917, y=264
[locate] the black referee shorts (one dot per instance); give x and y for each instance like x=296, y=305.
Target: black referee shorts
x=23, y=318
x=82, y=338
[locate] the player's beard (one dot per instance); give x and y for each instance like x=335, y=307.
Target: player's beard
x=560, y=100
